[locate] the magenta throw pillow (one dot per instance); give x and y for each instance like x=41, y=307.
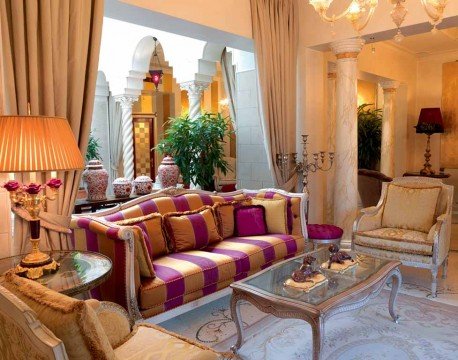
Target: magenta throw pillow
x=250, y=220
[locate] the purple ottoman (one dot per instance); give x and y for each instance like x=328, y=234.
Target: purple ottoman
x=324, y=234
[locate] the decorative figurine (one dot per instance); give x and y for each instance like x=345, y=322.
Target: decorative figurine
x=337, y=256
x=305, y=272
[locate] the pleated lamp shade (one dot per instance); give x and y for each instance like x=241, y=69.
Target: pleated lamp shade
x=37, y=143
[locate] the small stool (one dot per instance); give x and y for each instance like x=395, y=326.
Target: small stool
x=324, y=234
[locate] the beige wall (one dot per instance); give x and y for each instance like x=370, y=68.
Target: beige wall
x=429, y=94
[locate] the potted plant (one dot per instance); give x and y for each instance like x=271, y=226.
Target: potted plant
x=93, y=148
x=369, y=137
x=197, y=147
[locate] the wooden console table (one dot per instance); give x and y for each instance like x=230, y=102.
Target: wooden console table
x=439, y=175
x=83, y=205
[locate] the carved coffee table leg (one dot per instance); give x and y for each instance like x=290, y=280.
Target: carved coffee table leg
x=396, y=284
x=237, y=318
x=317, y=333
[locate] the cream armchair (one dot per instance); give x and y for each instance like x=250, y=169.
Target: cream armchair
x=411, y=223
x=38, y=323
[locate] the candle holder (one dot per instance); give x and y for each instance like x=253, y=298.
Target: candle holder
x=36, y=263
x=288, y=164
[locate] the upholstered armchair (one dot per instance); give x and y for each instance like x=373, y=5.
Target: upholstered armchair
x=411, y=223
x=38, y=323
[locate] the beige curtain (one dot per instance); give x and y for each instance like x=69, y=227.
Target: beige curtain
x=50, y=51
x=276, y=36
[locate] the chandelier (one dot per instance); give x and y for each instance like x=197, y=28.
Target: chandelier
x=360, y=12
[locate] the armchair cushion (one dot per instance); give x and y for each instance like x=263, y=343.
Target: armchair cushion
x=72, y=321
x=410, y=208
x=397, y=240
x=148, y=341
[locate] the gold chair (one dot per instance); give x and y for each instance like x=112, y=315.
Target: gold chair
x=411, y=223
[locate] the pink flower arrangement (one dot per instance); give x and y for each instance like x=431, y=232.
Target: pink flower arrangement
x=12, y=185
x=54, y=183
x=32, y=188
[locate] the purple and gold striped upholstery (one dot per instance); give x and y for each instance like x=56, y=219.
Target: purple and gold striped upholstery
x=181, y=276
x=292, y=211
x=164, y=205
x=191, y=230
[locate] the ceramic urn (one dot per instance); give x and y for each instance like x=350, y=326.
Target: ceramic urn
x=168, y=172
x=122, y=187
x=96, y=179
x=143, y=185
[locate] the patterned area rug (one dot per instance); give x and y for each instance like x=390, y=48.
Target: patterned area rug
x=427, y=330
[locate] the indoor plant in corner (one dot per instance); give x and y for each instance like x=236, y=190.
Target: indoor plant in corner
x=197, y=147
x=369, y=137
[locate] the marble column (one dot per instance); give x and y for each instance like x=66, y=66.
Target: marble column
x=346, y=158
x=194, y=89
x=388, y=127
x=331, y=143
x=126, y=102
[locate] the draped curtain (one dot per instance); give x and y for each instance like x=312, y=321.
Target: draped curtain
x=50, y=51
x=229, y=82
x=276, y=36
x=115, y=120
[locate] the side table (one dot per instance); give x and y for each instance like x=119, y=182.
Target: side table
x=83, y=205
x=79, y=272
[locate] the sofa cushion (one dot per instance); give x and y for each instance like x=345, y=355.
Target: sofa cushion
x=250, y=220
x=71, y=320
x=167, y=204
x=184, y=273
x=224, y=214
x=410, y=208
x=293, y=211
x=149, y=341
x=397, y=240
x=191, y=229
x=151, y=226
x=276, y=214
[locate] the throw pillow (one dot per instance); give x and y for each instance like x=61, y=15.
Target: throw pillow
x=224, y=213
x=191, y=230
x=250, y=220
x=151, y=226
x=71, y=320
x=276, y=214
x=410, y=208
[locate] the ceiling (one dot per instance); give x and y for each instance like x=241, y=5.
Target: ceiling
x=430, y=43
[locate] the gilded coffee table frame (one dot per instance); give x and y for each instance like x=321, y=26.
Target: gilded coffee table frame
x=316, y=315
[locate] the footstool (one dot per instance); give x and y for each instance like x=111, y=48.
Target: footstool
x=324, y=234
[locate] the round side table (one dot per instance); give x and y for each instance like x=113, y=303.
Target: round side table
x=321, y=234
x=79, y=272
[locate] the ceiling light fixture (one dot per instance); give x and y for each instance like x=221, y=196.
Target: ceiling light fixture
x=156, y=74
x=435, y=10
x=398, y=14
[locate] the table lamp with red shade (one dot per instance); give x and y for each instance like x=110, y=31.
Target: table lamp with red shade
x=36, y=144
x=430, y=122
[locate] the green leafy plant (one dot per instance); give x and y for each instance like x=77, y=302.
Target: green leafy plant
x=93, y=148
x=369, y=137
x=197, y=147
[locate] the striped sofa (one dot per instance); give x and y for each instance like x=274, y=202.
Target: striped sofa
x=181, y=277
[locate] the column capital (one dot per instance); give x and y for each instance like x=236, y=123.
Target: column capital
x=194, y=87
x=126, y=100
x=348, y=48
x=389, y=85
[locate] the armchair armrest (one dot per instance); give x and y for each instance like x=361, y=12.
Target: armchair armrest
x=439, y=235
x=368, y=219
x=116, y=242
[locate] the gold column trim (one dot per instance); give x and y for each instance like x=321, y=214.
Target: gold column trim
x=347, y=55
x=332, y=75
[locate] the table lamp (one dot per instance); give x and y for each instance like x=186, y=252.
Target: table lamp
x=429, y=122
x=36, y=144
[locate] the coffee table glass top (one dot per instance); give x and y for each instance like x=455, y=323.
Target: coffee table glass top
x=79, y=271
x=272, y=280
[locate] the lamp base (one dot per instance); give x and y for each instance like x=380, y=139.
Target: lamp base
x=37, y=270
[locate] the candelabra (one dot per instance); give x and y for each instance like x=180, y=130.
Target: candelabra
x=288, y=164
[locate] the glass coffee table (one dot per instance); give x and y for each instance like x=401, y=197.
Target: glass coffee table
x=343, y=291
